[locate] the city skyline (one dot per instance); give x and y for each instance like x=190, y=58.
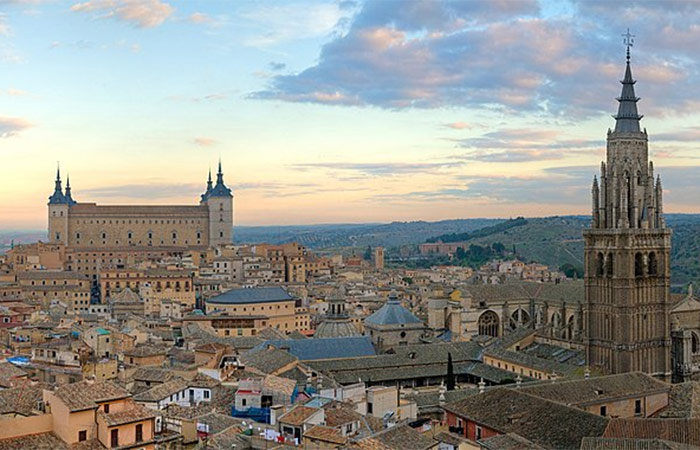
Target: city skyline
x=328, y=112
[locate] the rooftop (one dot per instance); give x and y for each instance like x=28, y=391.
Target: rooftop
x=86, y=395
x=325, y=348
x=513, y=411
x=392, y=313
x=252, y=295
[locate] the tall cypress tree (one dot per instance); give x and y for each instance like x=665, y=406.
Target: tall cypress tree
x=450, y=373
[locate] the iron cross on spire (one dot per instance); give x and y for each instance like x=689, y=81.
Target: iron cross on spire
x=628, y=41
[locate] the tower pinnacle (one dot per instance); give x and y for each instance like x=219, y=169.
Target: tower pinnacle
x=627, y=117
x=57, y=196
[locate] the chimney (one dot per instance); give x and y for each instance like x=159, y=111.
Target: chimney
x=482, y=386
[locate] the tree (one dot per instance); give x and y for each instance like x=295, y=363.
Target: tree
x=450, y=373
x=498, y=247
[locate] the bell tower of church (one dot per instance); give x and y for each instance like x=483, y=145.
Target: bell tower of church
x=627, y=253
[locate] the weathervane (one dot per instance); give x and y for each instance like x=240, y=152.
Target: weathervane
x=628, y=41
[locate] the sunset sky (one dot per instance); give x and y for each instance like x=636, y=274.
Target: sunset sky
x=339, y=111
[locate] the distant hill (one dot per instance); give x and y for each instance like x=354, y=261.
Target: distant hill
x=395, y=234
x=558, y=240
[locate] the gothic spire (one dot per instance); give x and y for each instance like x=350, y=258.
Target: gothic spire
x=69, y=197
x=627, y=117
x=219, y=175
x=57, y=196
x=218, y=190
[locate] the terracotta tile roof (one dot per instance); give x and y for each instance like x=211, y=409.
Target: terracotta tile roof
x=9, y=373
x=162, y=391
x=684, y=431
x=85, y=395
x=326, y=434
x=399, y=437
x=510, y=441
x=20, y=400
x=133, y=413
x=43, y=441
x=146, y=350
x=591, y=443
x=513, y=411
x=298, y=415
x=683, y=401
x=338, y=414
x=152, y=374
x=597, y=389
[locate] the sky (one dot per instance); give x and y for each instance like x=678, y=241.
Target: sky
x=341, y=110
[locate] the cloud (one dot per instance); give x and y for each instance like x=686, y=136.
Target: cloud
x=201, y=18
x=13, y=92
x=459, y=125
x=205, y=141
x=377, y=169
x=504, y=55
x=512, y=145
x=11, y=126
x=291, y=21
x=687, y=134
x=154, y=190
x=140, y=13
x=277, y=66
x=4, y=26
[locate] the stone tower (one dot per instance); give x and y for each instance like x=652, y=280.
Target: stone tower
x=59, y=203
x=627, y=254
x=219, y=200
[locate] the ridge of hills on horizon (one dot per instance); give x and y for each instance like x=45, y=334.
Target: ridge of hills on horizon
x=553, y=240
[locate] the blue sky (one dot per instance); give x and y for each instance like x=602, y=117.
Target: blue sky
x=339, y=111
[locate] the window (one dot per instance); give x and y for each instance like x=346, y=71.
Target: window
x=114, y=438
x=603, y=410
x=243, y=402
x=82, y=435
x=370, y=408
x=637, y=407
x=139, y=432
x=106, y=408
x=206, y=394
x=478, y=433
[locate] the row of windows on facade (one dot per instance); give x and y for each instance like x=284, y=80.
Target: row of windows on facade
x=130, y=222
x=56, y=294
x=130, y=235
x=159, y=285
x=65, y=283
x=644, y=264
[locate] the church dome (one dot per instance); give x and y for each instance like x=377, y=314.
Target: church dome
x=334, y=328
x=392, y=313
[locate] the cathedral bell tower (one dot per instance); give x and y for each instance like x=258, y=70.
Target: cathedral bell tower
x=627, y=253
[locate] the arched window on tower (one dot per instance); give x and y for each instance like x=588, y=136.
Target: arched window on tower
x=694, y=342
x=638, y=265
x=600, y=265
x=609, y=265
x=653, y=268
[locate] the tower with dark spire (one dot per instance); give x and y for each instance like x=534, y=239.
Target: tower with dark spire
x=59, y=204
x=69, y=196
x=219, y=200
x=57, y=197
x=627, y=252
